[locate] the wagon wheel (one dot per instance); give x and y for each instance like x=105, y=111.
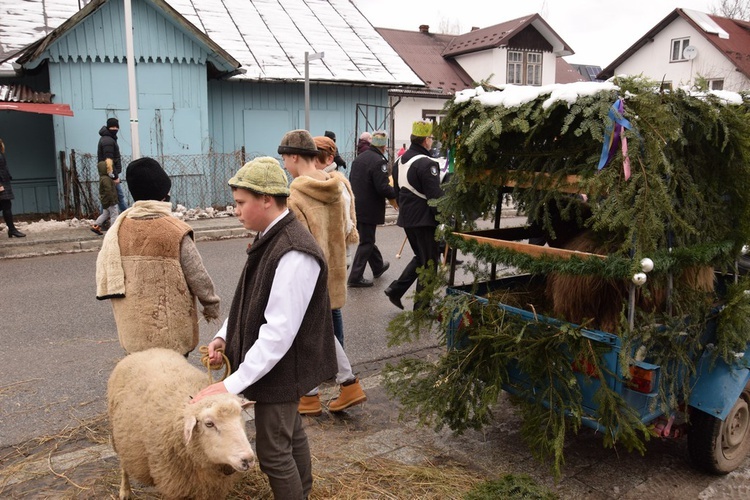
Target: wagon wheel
x=717, y=446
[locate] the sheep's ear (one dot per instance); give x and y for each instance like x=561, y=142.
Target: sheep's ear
x=189, y=426
x=246, y=404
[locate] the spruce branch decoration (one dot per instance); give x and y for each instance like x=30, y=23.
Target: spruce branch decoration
x=685, y=205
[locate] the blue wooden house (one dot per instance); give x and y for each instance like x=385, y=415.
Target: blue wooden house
x=217, y=82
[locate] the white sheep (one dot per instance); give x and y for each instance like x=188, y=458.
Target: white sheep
x=184, y=450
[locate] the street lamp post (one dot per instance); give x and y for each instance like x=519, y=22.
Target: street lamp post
x=309, y=57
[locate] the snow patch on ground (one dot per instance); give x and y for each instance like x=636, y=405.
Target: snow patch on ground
x=180, y=212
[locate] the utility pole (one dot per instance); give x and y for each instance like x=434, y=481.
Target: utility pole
x=309, y=57
x=132, y=90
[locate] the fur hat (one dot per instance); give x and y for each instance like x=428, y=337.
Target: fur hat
x=298, y=142
x=330, y=135
x=262, y=175
x=326, y=145
x=379, y=139
x=147, y=180
x=421, y=129
x=113, y=122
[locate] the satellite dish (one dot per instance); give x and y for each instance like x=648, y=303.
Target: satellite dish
x=690, y=52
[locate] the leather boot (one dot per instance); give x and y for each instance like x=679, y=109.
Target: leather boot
x=310, y=405
x=350, y=394
x=13, y=232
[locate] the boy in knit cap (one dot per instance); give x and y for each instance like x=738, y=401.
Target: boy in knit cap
x=315, y=198
x=150, y=269
x=279, y=336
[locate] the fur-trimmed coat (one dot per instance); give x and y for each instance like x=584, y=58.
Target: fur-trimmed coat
x=320, y=207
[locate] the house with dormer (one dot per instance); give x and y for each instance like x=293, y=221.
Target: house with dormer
x=688, y=45
x=523, y=51
x=215, y=83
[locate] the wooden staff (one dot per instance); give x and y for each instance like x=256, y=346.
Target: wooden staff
x=398, y=255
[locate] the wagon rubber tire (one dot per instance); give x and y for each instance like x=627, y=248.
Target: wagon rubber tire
x=719, y=447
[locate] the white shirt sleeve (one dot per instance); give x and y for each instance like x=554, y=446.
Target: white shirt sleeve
x=293, y=285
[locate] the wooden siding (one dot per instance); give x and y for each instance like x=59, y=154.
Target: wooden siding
x=257, y=115
x=30, y=151
x=101, y=37
x=172, y=106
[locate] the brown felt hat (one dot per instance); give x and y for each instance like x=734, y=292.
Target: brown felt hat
x=326, y=145
x=298, y=142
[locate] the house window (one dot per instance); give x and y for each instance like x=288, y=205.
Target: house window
x=716, y=84
x=678, y=48
x=533, y=68
x=524, y=68
x=515, y=67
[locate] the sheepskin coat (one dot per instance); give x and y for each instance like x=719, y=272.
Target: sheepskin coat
x=320, y=207
x=312, y=357
x=158, y=309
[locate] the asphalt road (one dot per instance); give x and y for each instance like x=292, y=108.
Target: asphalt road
x=60, y=343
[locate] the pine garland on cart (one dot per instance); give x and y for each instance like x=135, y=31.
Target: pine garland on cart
x=657, y=182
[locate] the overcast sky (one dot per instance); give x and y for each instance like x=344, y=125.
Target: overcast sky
x=598, y=31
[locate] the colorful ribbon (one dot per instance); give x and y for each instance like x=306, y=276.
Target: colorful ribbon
x=613, y=135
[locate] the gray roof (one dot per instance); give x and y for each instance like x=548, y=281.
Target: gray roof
x=268, y=37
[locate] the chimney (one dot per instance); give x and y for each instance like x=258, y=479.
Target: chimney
x=424, y=28
x=474, y=28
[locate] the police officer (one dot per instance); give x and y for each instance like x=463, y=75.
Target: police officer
x=416, y=178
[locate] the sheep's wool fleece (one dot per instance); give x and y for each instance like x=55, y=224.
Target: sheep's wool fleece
x=320, y=207
x=158, y=309
x=152, y=448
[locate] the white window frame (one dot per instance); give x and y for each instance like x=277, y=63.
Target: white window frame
x=524, y=67
x=678, y=48
x=534, y=68
x=716, y=84
x=515, y=67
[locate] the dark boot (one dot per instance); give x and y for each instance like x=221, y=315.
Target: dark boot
x=12, y=231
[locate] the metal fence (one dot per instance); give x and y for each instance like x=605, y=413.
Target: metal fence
x=198, y=181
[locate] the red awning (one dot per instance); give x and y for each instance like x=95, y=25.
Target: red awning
x=34, y=107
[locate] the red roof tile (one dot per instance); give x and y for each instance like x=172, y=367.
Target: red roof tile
x=422, y=51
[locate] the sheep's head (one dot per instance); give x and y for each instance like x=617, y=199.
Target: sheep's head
x=215, y=429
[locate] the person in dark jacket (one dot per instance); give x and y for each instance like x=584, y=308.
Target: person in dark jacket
x=416, y=179
x=108, y=149
x=370, y=185
x=6, y=195
x=337, y=159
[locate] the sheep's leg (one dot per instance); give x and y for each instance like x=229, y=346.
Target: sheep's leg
x=125, y=492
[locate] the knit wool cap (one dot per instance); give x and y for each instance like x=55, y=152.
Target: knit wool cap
x=298, y=142
x=147, y=180
x=330, y=134
x=421, y=129
x=325, y=144
x=379, y=139
x=262, y=175
x=113, y=122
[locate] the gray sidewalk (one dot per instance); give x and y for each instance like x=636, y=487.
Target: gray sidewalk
x=79, y=238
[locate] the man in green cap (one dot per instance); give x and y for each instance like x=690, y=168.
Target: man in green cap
x=279, y=334
x=416, y=180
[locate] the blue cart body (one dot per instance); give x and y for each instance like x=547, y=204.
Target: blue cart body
x=715, y=387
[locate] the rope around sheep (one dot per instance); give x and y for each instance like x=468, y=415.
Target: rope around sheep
x=205, y=361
